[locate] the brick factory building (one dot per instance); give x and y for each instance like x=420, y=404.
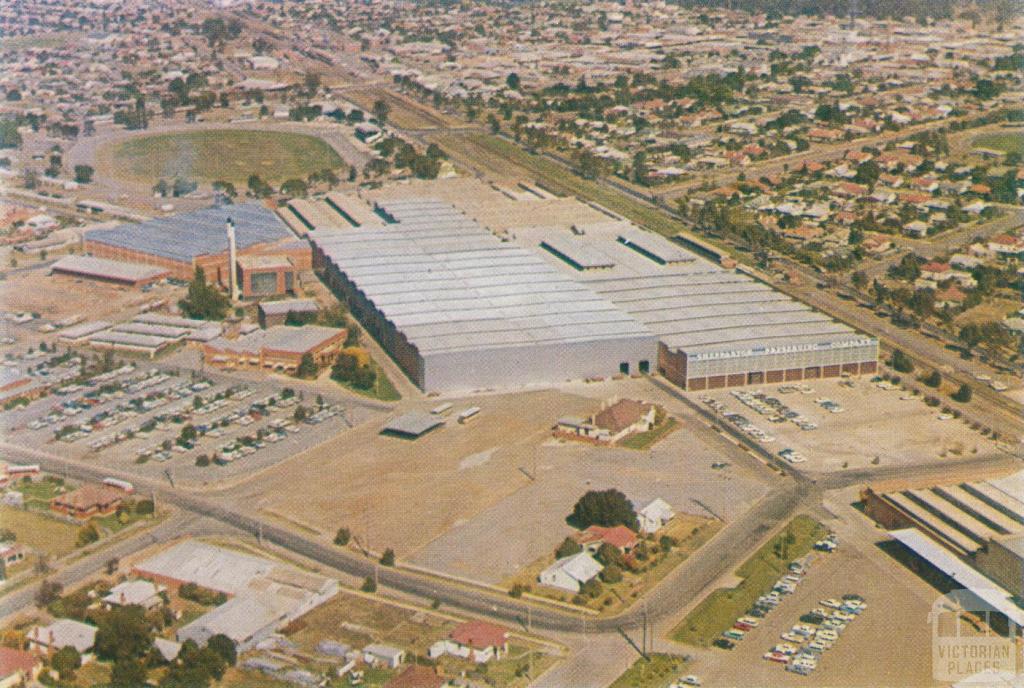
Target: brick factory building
x=268, y=253
x=277, y=348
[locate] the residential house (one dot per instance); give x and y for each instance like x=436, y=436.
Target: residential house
x=476, y=640
x=611, y=424
x=417, y=676
x=654, y=516
x=570, y=573
x=949, y=297
x=88, y=501
x=619, y=537
x=383, y=655
x=140, y=593
x=1007, y=246
x=936, y=271
x=62, y=633
x=916, y=228
x=18, y=668
x=10, y=554
x=876, y=244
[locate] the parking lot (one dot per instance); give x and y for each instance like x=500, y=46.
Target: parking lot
x=836, y=424
x=896, y=613
x=183, y=426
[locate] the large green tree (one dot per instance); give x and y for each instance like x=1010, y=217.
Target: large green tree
x=204, y=301
x=604, y=508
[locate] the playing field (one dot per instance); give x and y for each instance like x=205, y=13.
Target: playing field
x=1008, y=142
x=230, y=155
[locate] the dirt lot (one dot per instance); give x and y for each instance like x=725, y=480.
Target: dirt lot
x=55, y=297
x=873, y=423
x=441, y=501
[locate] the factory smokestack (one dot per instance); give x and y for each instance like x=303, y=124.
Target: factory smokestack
x=232, y=262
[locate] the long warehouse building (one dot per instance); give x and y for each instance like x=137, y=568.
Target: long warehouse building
x=459, y=309
x=716, y=327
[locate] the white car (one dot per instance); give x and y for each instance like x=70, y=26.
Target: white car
x=831, y=603
x=689, y=681
x=791, y=637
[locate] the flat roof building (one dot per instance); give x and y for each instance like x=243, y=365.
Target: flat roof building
x=105, y=270
x=277, y=348
x=459, y=309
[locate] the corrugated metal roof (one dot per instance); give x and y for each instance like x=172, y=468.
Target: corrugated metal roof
x=92, y=266
x=985, y=589
x=450, y=285
x=185, y=236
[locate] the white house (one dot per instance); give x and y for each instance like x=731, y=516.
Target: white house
x=654, y=516
x=136, y=592
x=570, y=573
x=62, y=633
x=384, y=655
x=476, y=640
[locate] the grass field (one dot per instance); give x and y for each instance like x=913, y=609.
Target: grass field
x=39, y=532
x=383, y=389
x=719, y=610
x=645, y=440
x=226, y=154
x=659, y=672
x=1008, y=142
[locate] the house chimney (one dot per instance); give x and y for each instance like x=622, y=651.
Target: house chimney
x=232, y=258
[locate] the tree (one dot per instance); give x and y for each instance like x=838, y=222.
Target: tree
x=48, y=593
x=568, y=548
x=225, y=647
x=963, y=395
x=87, y=534
x=204, y=301
x=127, y=672
x=606, y=508
x=934, y=379
x=381, y=110
x=609, y=555
x=342, y=537
x=144, y=507
x=369, y=585
x=294, y=188
x=66, y=661
x=123, y=633
x=307, y=367
x=901, y=362
x=83, y=174
x=859, y=279
x=512, y=81
x=388, y=558
x=611, y=574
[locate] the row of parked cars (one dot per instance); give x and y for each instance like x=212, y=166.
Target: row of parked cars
x=772, y=408
x=135, y=406
x=738, y=420
x=818, y=631
x=764, y=605
x=89, y=394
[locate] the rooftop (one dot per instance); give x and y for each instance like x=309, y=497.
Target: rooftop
x=450, y=285
x=185, y=236
x=296, y=340
x=103, y=268
x=412, y=424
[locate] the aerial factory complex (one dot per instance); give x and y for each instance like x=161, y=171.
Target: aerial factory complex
x=511, y=344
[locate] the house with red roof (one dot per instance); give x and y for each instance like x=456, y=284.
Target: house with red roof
x=417, y=676
x=619, y=537
x=936, y=271
x=478, y=641
x=18, y=667
x=617, y=420
x=1007, y=246
x=952, y=297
